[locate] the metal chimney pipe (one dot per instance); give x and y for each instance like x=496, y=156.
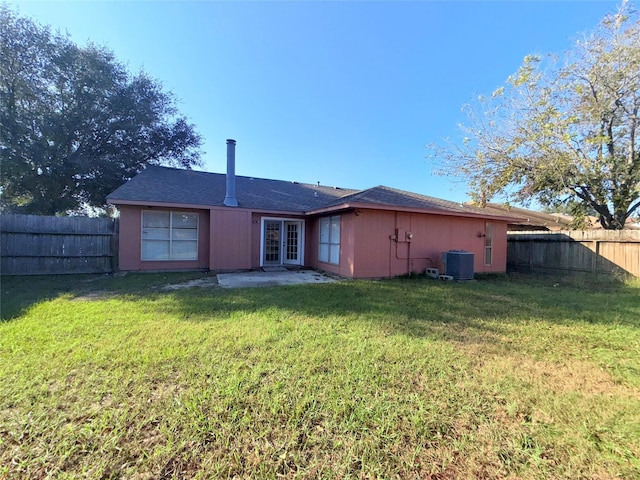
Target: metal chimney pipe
x=230, y=200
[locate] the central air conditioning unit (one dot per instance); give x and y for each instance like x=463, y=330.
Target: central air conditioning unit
x=458, y=264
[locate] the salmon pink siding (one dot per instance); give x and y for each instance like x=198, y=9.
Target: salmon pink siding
x=373, y=233
x=368, y=251
x=374, y=243
x=231, y=239
x=130, y=241
x=256, y=234
x=347, y=246
x=378, y=256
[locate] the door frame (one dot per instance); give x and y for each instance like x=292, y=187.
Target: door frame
x=283, y=221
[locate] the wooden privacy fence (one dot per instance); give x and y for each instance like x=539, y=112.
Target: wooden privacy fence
x=34, y=245
x=593, y=251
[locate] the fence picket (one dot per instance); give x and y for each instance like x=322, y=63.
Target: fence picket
x=594, y=251
x=41, y=245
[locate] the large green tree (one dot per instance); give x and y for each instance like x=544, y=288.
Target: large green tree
x=562, y=129
x=75, y=124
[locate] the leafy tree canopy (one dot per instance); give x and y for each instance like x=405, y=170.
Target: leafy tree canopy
x=74, y=124
x=562, y=129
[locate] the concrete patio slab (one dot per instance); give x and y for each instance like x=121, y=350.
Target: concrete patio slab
x=268, y=279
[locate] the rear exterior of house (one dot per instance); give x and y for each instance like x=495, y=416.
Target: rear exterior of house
x=172, y=219
x=385, y=243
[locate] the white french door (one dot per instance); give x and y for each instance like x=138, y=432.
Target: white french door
x=282, y=242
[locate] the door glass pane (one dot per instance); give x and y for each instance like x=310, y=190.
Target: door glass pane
x=292, y=241
x=272, y=242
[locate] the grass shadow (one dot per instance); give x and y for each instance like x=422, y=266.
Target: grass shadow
x=414, y=306
x=19, y=293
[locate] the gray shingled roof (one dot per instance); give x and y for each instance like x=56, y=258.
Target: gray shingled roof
x=172, y=185
x=177, y=186
x=393, y=197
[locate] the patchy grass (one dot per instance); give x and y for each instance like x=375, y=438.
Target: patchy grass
x=507, y=377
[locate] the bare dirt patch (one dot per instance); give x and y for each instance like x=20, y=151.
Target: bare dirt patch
x=93, y=296
x=572, y=376
x=205, y=282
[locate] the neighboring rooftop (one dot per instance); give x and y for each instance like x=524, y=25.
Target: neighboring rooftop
x=524, y=219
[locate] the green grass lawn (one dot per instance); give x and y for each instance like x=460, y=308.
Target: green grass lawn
x=506, y=377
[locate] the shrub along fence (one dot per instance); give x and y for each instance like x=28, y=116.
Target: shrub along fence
x=35, y=245
x=594, y=251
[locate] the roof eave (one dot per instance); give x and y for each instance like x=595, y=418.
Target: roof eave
x=316, y=211
x=144, y=203
x=370, y=206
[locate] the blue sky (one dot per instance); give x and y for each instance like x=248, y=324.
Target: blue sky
x=345, y=93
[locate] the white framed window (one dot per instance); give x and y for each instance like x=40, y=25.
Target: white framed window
x=329, y=243
x=488, y=243
x=169, y=235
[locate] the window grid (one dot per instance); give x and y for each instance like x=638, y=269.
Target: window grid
x=488, y=243
x=169, y=235
x=292, y=242
x=272, y=243
x=329, y=243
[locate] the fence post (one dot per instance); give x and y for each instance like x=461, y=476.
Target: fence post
x=115, y=245
x=42, y=245
x=591, y=252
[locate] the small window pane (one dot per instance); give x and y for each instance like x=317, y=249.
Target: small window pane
x=487, y=255
x=151, y=218
x=335, y=229
x=184, y=250
x=184, y=234
x=323, y=253
x=185, y=220
x=155, y=234
x=324, y=230
x=155, y=250
x=488, y=235
x=335, y=254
